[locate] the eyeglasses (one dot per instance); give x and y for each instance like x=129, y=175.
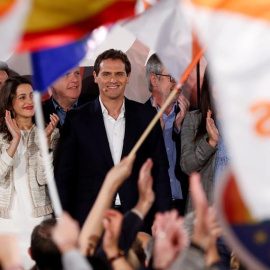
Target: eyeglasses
x=172, y=80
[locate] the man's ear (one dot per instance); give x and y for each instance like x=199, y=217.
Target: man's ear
x=128, y=78
x=153, y=79
x=95, y=76
x=30, y=253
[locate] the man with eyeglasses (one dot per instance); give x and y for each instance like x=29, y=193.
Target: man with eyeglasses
x=161, y=83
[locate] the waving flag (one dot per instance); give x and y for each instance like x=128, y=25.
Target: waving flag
x=56, y=33
x=171, y=36
x=12, y=16
x=237, y=36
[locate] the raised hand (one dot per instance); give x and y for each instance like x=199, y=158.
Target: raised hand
x=201, y=235
x=13, y=127
x=170, y=239
x=10, y=257
x=50, y=128
x=211, y=130
x=183, y=104
x=145, y=184
x=121, y=171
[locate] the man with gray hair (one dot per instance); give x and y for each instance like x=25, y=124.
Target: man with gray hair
x=160, y=84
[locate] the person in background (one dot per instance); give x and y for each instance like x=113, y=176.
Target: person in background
x=24, y=197
x=161, y=84
x=66, y=95
x=203, y=149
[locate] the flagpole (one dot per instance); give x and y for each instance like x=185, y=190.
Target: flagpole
x=45, y=155
x=154, y=120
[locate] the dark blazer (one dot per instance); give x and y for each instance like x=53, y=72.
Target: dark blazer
x=85, y=158
x=48, y=108
x=179, y=174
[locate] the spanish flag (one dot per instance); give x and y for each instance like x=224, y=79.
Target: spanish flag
x=56, y=33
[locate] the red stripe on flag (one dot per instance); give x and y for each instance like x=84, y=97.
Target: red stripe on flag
x=60, y=36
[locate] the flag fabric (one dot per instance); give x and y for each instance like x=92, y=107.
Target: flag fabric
x=56, y=23
x=249, y=238
x=48, y=64
x=143, y=5
x=238, y=49
x=171, y=36
x=12, y=16
x=56, y=33
x=237, y=37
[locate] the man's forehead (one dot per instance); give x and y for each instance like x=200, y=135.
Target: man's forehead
x=112, y=64
x=73, y=70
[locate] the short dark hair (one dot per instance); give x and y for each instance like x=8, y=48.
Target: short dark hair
x=4, y=67
x=112, y=54
x=8, y=92
x=44, y=252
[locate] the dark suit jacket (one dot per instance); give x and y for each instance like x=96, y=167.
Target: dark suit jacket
x=179, y=174
x=48, y=108
x=85, y=158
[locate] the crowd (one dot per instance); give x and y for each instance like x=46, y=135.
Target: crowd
x=150, y=211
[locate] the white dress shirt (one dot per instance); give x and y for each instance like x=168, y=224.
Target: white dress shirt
x=115, y=130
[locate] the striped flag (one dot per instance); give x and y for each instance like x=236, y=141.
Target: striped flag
x=12, y=16
x=237, y=36
x=56, y=33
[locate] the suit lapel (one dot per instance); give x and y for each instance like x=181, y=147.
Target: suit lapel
x=100, y=133
x=131, y=127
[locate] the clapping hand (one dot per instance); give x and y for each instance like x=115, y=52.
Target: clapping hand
x=211, y=130
x=183, y=104
x=170, y=238
x=50, y=128
x=13, y=127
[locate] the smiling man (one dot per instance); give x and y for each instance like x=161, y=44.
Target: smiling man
x=66, y=93
x=98, y=135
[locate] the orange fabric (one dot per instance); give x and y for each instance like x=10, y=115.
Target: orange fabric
x=234, y=207
x=4, y=7
x=146, y=5
x=259, y=9
x=197, y=53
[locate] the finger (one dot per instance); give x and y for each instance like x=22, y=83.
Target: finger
x=198, y=195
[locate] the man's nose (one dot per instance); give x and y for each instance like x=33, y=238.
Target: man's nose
x=113, y=79
x=75, y=78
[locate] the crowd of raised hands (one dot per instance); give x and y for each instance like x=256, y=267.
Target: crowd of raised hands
x=110, y=236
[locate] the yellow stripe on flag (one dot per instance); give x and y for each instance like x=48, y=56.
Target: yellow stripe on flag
x=5, y=5
x=51, y=14
x=259, y=8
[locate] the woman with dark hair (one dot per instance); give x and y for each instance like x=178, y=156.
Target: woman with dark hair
x=24, y=198
x=202, y=144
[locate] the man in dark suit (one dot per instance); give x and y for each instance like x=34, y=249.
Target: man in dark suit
x=160, y=85
x=97, y=135
x=66, y=95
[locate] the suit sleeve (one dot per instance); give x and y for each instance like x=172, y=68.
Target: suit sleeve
x=194, y=155
x=66, y=165
x=160, y=173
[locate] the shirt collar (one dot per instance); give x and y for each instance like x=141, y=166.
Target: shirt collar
x=105, y=111
x=174, y=109
x=58, y=107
